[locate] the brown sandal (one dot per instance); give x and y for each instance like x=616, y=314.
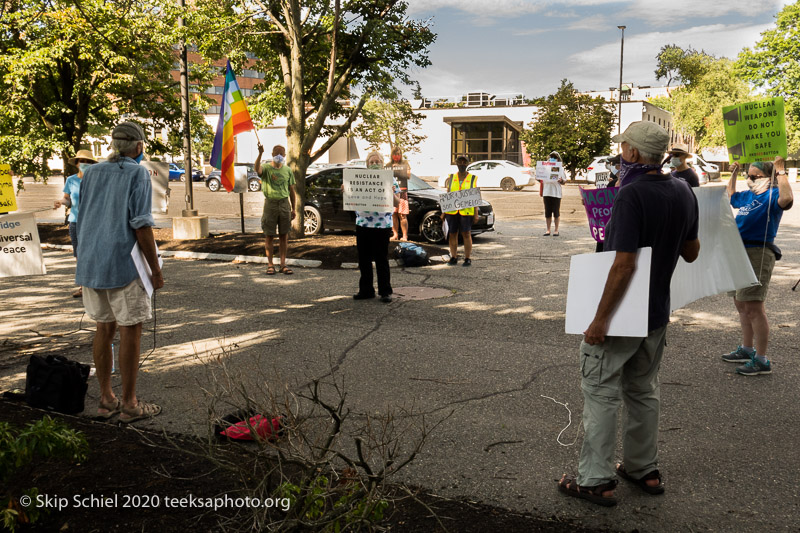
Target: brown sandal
x=569, y=486
x=642, y=481
x=140, y=412
x=270, y=270
x=286, y=270
x=110, y=410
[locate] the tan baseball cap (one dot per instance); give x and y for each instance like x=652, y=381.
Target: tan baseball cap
x=644, y=136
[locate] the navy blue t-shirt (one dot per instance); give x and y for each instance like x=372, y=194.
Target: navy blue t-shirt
x=688, y=175
x=661, y=212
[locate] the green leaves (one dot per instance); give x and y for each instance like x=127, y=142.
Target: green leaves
x=576, y=126
x=392, y=123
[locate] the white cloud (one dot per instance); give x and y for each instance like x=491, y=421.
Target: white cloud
x=598, y=68
x=691, y=10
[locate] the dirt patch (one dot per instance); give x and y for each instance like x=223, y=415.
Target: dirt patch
x=332, y=249
x=124, y=462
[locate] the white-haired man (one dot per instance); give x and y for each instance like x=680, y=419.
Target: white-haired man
x=115, y=215
x=651, y=210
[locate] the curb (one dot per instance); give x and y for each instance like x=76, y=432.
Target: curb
x=177, y=254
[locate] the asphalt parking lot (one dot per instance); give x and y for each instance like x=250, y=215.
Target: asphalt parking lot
x=487, y=359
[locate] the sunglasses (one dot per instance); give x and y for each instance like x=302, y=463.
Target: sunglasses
x=755, y=177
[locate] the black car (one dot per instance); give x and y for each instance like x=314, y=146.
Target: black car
x=323, y=208
x=214, y=183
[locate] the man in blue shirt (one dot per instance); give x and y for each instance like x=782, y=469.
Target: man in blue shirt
x=650, y=210
x=115, y=215
x=760, y=211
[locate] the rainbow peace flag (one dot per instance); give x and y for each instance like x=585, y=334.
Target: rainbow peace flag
x=233, y=119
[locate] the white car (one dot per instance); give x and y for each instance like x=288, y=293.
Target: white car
x=701, y=165
x=597, y=172
x=506, y=175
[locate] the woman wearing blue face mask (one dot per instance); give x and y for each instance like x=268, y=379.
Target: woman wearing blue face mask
x=551, y=195
x=72, y=186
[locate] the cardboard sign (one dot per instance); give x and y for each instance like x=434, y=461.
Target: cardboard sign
x=755, y=131
x=598, y=204
x=159, y=178
x=368, y=190
x=8, y=200
x=587, y=280
x=20, y=248
x=601, y=179
x=722, y=264
x=450, y=202
x=548, y=170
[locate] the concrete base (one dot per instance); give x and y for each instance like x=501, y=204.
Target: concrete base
x=189, y=228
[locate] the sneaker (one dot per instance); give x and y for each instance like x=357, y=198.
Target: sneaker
x=467, y=262
x=361, y=296
x=386, y=298
x=453, y=261
x=739, y=355
x=754, y=367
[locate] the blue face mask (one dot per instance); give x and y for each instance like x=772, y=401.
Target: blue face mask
x=84, y=167
x=139, y=158
x=279, y=159
x=553, y=160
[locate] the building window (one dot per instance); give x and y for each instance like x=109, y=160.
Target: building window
x=484, y=140
x=213, y=110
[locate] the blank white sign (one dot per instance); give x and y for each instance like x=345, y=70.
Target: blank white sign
x=587, y=279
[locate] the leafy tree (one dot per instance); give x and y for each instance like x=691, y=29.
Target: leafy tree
x=323, y=61
x=392, y=123
x=575, y=125
x=686, y=66
x=698, y=107
x=772, y=65
x=72, y=68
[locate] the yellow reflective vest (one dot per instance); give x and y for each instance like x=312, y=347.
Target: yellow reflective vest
x=468, y=183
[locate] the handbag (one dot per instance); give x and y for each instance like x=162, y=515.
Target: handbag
x=56, y=383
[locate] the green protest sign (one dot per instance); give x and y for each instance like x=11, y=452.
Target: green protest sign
x=755, y=131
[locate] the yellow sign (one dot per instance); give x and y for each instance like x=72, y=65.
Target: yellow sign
x=8, y=200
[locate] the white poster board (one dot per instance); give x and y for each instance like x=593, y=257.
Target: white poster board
x=159, y=178
x=587, y=279
x=20, y=248
x=453, y=201
x=722, y=264
x=368, y=190
x=548, y=170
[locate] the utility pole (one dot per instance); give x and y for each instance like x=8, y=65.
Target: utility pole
x=619, y=104
x=187, y=137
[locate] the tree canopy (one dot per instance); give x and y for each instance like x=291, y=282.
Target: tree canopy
x=773, y=65
x=575, y=125
x=72, y=68
x=685, y=66
x=392, y=123
x=323, y=60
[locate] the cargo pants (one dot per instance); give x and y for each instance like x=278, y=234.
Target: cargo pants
x=621, y=369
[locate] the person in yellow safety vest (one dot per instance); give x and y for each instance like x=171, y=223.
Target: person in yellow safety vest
x=461, y=221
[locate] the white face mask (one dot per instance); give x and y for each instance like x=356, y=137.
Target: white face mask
x=279, y=159
x=758, y=186
x=675, y=162
x=84, y=167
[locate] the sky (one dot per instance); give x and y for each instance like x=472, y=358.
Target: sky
x=529, y=46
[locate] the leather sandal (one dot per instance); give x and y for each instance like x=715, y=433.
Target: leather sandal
x=642, y=481
x=111, y=410
x=140, y=412
x=569, y=486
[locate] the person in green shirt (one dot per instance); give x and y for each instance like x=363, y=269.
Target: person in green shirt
x=277, y=184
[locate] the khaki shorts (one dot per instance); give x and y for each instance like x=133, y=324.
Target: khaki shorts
x=127, y=306
x=763, y=270
x=277, y=214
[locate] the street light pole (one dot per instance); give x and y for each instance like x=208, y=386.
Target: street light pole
x=187, y=138
x=619, y=104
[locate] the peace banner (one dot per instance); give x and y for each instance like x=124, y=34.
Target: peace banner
x=755, y=131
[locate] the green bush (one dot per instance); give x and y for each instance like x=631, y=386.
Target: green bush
x=43, y=439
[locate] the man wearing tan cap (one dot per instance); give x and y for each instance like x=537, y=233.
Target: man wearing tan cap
x=116, y=213
x=71, y=199
x=679, y=153
x=651, y=210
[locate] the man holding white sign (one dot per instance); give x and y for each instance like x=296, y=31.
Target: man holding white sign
x=460, y=220
x=655, y=211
